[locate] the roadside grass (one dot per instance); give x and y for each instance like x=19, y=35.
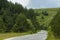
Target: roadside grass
x=9, y=35
x=51, y=36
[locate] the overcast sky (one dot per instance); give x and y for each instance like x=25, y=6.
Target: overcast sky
x=38, y=3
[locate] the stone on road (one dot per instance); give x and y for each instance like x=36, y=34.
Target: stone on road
x=42, y=35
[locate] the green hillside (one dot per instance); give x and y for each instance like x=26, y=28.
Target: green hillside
x=50, y=19
x=47, y=19
x=54, y=33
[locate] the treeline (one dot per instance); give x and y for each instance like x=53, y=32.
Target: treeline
x=16, y=18
x=55, y=24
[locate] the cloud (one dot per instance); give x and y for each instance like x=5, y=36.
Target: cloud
x=44, y=3
x=23, y=2
x=38, y=3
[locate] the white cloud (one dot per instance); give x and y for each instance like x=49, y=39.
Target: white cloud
x=38, y=3
x=23, y=2
x=51, y=3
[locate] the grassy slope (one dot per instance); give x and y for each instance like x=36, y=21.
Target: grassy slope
x=51, y=36
x=52, y=12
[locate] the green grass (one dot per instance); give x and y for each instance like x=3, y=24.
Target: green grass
x=47, y=19
x=51, y=36
x=9, y=35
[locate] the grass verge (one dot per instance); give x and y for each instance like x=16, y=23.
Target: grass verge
x=51, y=36
x=8, y=35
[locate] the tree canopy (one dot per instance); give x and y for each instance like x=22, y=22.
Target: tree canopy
x=14, y=18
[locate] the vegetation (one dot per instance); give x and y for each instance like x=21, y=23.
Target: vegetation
x=54, y=33
x=51, y=35
x=47, y=21
x=15, y=18
x=55, y=24
x=8, y=35
x=54, y=30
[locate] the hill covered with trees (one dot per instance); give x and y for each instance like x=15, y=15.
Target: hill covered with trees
x=16, y=18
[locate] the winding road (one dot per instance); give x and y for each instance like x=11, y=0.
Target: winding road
x=42, y=35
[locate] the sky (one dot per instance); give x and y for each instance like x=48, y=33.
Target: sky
x=38, y=3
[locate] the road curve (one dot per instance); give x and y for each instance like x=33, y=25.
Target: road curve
x=42, y=35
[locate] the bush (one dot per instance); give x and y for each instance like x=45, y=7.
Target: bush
x=45, y=13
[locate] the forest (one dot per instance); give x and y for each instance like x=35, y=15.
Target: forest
x=16, y=18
